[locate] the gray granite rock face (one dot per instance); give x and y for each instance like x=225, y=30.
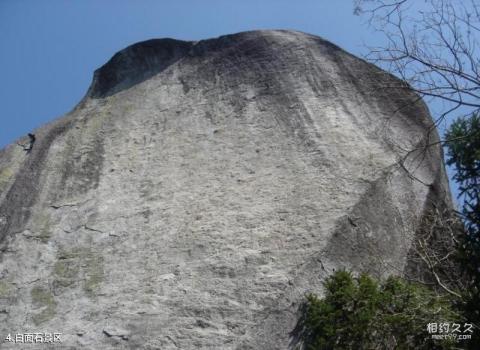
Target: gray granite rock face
x=200, y=189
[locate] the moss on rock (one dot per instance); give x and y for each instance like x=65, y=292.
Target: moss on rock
x=6, y=289
x=79, y=264
x=44, y=300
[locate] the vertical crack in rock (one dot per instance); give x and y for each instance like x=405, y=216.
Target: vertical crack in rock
x=83, y=155
x=15, y=208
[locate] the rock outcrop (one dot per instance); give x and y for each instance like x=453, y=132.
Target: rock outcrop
x=200, y=189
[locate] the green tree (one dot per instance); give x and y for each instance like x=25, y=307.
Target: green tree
x=362, y=313
x=463, y=152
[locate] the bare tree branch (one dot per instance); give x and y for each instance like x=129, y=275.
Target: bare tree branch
x=433, y=46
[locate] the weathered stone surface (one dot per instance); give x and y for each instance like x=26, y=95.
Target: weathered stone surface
x=201, y=188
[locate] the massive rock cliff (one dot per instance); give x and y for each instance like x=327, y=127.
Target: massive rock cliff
x=200, y=189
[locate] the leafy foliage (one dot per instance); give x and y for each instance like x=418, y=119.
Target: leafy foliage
x=361, y=313
x=464, y=153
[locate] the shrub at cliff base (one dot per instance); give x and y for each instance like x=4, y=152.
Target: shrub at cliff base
x=361, y=313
